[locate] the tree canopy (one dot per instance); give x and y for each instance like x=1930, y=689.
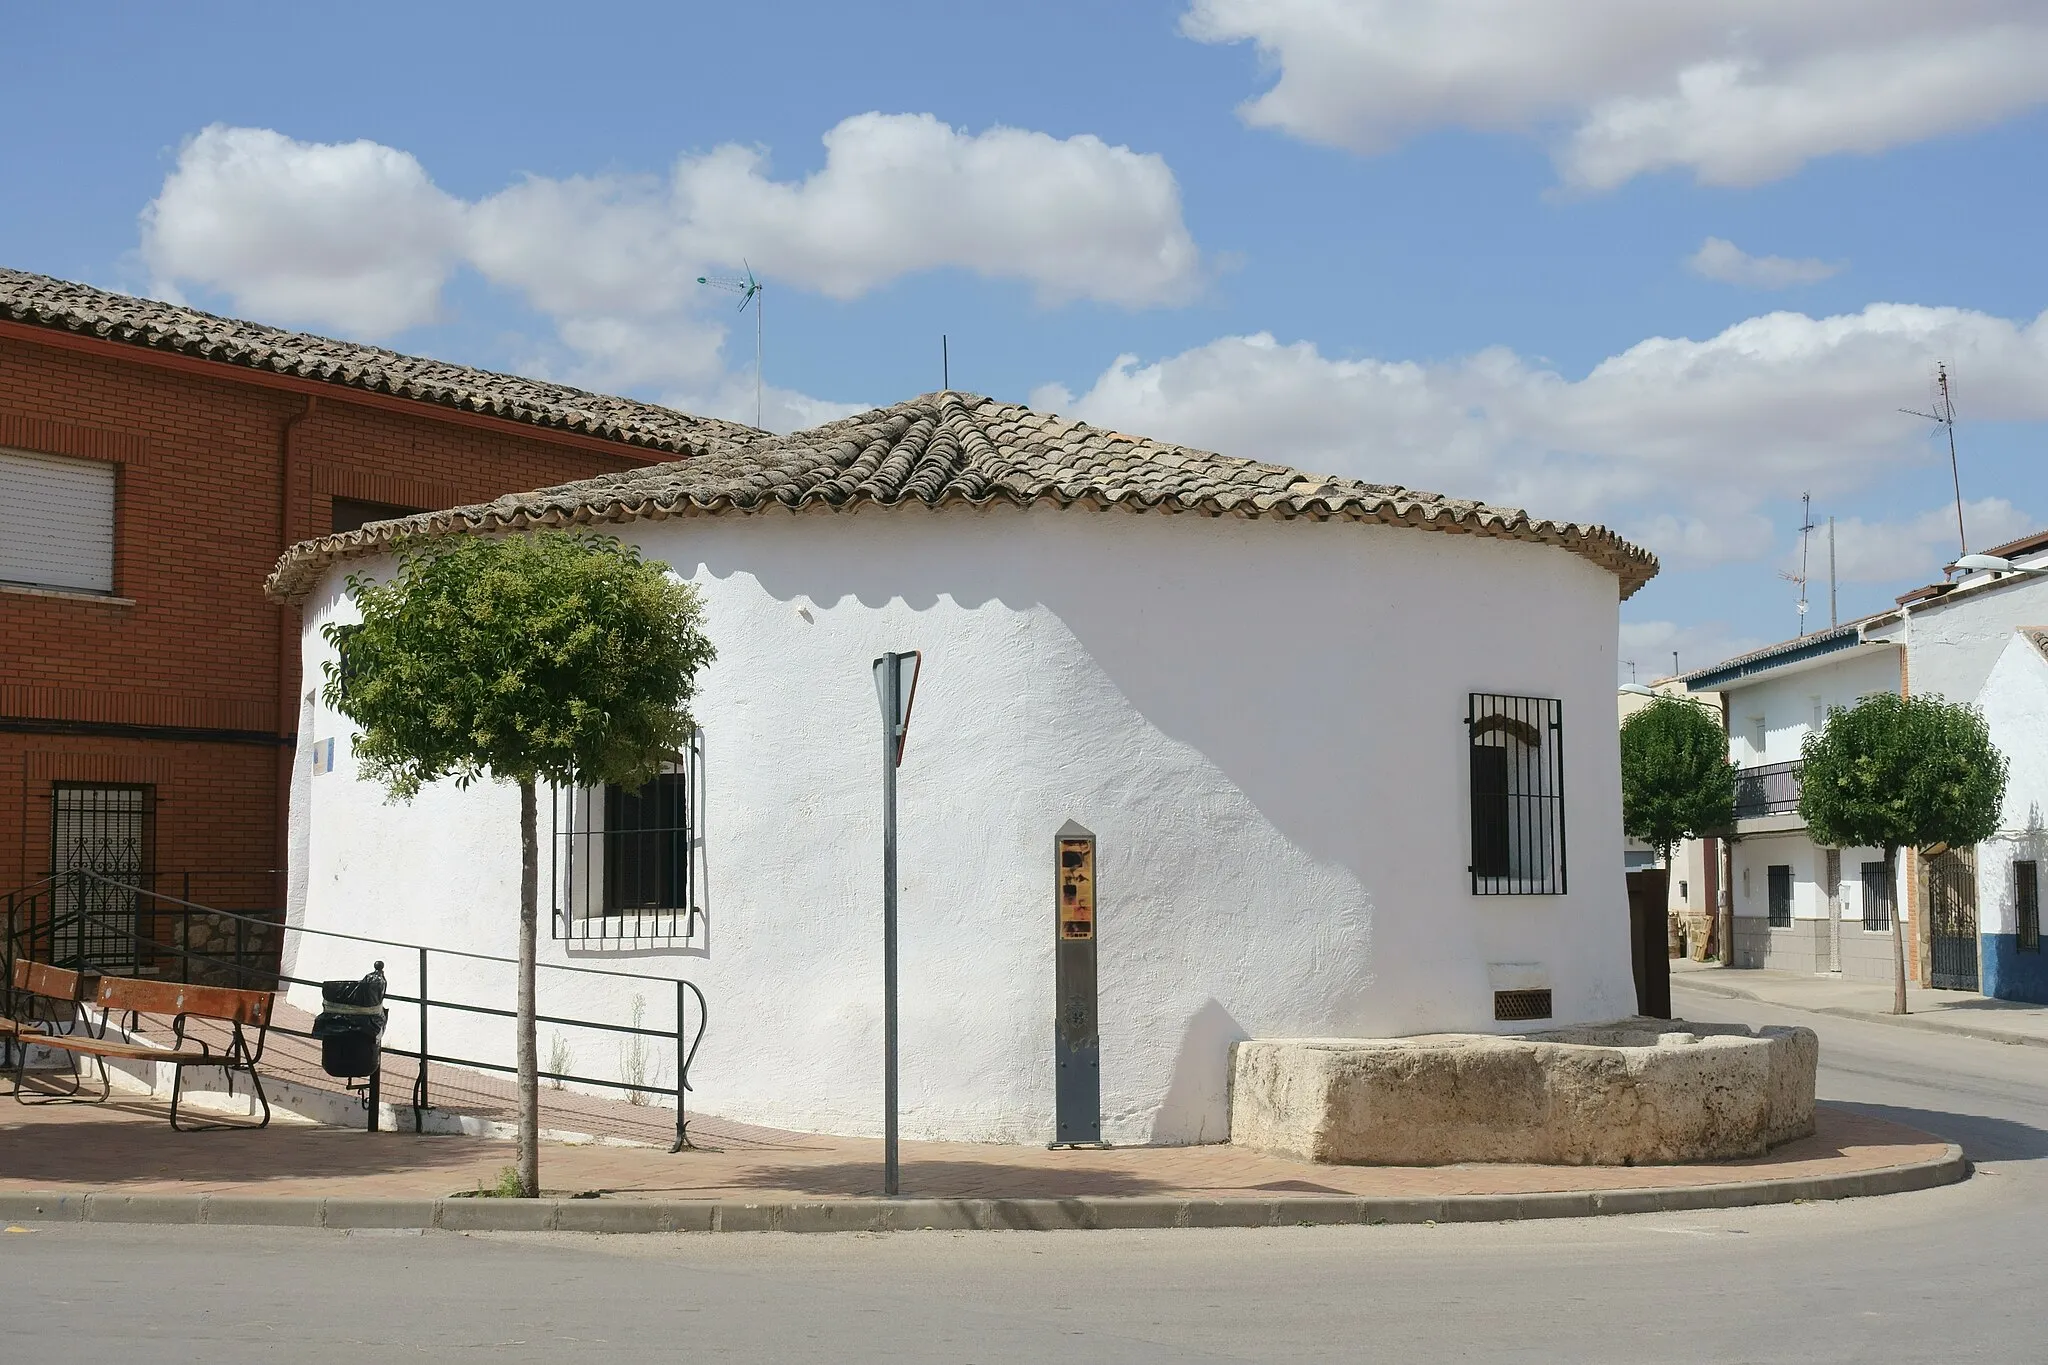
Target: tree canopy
x=1676, y=780
x=553, y=657
x=1902, y=772
x=532, y=657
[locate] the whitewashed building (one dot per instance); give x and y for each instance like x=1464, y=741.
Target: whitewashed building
x=1801, y=907
x=1346, y=750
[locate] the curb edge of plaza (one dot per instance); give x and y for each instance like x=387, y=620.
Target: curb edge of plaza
x=1731, y=991
x=1082, y=1213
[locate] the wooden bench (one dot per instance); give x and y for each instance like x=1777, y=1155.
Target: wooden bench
x=48, y=999
x=241, y=1011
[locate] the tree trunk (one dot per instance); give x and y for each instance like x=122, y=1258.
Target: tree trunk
x=529, y=1053
x=1898, y=934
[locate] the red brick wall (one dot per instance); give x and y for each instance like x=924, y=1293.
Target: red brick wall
x=190, y=641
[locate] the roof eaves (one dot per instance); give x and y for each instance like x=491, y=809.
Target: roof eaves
x=1773, y=656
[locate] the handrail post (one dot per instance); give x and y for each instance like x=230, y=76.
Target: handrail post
x=682, y=1075
x=419, y=1086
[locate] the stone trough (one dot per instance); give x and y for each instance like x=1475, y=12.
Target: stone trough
x=1642, y=1091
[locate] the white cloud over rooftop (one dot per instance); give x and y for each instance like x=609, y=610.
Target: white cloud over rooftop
x=1735, y=91
x=356, y=237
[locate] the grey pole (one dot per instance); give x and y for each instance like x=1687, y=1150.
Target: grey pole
x=892, y=708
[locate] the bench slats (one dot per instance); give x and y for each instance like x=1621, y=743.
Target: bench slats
x=108, y=1047
x=121, y=994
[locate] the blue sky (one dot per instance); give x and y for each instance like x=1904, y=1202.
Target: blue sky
x=1663, y=267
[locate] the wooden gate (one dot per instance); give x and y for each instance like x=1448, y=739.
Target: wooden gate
x=1952, y=920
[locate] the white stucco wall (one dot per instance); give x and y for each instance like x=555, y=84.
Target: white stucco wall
x=1262, y=722
x=1952, y=643
x=1787, y=701
x=2014, y=701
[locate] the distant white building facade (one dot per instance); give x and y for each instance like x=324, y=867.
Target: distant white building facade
x=1969, y=913
x=1347, y=774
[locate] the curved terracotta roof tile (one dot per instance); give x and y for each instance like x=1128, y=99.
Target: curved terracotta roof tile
x=40, y=301
x=951, y=449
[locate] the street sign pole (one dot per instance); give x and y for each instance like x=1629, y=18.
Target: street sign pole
x=890, y=685
x=896, y=692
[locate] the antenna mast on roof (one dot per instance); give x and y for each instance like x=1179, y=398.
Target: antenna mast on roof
x=749, y=290
x=1944, y=415
x=1805, y=537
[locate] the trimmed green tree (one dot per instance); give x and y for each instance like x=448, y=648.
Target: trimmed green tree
x=557, y=657
x=1896, y=772
x=1676, y=780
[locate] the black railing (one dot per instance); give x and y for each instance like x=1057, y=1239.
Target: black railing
x=1771, y=789
x=55, y=921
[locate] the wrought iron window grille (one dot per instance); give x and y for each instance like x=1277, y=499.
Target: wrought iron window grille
x=623, y=870
x=1779, y=878
x=109, y=832
x=1877, y=896
x=1515, y=755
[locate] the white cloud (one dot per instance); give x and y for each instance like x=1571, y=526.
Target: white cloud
x=1737, y=91
x=1915, y=549
x=357, y=237
x=1649, y=644
x=352, y=235
x=1720, y=259
x=1681, y=441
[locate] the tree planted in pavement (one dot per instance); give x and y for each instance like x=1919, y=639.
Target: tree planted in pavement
x=1896, y=772
x=557, y=657
x=1676, y=780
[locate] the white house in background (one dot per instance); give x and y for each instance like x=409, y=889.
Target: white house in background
x=1691, y=873
x=2015, y=703
x=1797, y=906
x=1331, y=738
x=1804, y=908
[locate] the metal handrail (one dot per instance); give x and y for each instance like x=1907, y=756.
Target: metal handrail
x=686, y=1042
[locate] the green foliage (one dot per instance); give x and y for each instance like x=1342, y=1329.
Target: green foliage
x=529, y=657
x=1902, y=772
x=1676, y=780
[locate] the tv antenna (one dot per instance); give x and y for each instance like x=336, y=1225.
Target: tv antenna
x=749, y=290
x=1944, y=416
x=1805, y=539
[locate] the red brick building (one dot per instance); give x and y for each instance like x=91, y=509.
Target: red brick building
x=154, y=461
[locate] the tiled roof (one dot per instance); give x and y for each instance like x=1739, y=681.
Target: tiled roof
x=60, y=305
x=953, y=449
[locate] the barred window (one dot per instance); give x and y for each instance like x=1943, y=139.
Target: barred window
x=2026, y=901
x=1780, y=878
x=1877, y=895
x=1515, y=752
x=624, y=861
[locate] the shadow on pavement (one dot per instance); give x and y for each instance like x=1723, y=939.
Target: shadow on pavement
x=1982, y=1138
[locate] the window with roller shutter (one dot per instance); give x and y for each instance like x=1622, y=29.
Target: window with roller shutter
x=56, y=522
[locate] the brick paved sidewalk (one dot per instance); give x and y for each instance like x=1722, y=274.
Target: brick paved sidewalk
x=127, y=1147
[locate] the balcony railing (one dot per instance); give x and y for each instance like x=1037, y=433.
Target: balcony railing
x=1769, y=789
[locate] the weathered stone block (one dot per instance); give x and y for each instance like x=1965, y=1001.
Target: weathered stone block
x=1642, y=1091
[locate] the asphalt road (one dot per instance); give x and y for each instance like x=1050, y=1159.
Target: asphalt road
x=1958, y=1274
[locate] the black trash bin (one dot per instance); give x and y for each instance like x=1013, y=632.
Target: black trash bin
x=350, y=1025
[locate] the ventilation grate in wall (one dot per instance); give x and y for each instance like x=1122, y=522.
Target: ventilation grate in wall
x=1531, y=1004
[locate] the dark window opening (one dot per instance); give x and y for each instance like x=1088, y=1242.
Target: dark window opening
x=352, y=514
x=2026, y=887
x=1515, y=762
x=1780, y=877
x=647, y=846
x=1877, y=896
